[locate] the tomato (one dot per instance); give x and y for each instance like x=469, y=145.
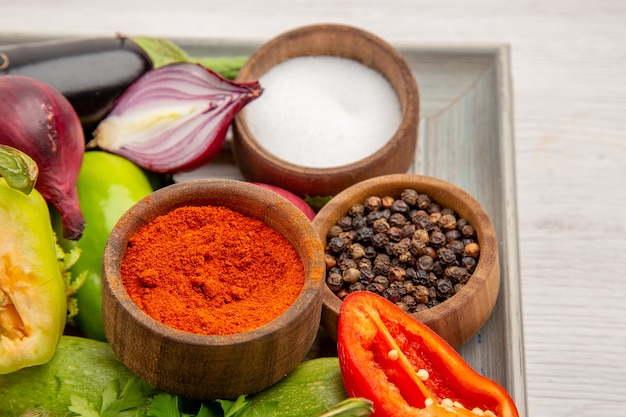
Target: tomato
x=293, y=198
x=405, y=368
x=108, y=185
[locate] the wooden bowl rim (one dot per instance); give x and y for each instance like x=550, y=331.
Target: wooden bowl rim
x=143, y=212
x=468, y=208
x=410, y=111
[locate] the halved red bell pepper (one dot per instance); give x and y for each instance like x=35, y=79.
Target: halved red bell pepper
x=406, y=369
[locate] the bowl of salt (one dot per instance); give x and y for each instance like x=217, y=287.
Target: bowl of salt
x=339, y=105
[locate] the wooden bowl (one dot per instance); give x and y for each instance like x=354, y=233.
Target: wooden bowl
x=201, y=366
x=459, y=317
x=396, y=156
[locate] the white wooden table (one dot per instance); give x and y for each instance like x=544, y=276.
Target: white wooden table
x=569, y=77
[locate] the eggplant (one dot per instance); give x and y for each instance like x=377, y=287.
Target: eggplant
x=90, y=73
x=93, y=72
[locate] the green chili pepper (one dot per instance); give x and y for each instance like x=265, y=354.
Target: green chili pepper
x=108, y=185
x=33, y=303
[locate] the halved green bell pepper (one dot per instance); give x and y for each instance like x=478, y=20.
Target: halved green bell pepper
x=33, y=302
x=108, y=185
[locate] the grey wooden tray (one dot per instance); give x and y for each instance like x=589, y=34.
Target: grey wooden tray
x=465, y=137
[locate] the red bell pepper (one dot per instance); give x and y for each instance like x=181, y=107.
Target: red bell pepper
x=405, y=368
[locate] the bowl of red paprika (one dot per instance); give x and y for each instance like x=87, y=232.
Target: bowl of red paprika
x=421, y=242
x=212, y=288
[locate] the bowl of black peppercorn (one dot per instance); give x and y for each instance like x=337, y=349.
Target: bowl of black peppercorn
x=421, y=242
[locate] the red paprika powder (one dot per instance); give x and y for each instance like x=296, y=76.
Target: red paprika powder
x=211, y=270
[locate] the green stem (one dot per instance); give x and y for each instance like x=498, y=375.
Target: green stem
x=18, y=169
x=162, y=52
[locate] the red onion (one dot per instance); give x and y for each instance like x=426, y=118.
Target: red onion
x=296, y=200
x=38, y=120
x=174, y=117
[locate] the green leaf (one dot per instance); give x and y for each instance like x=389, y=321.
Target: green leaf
x=82, y=407
x=72, y=283
x=317, y=202
x=204, y=411
x=164, y=405
x=234, y=408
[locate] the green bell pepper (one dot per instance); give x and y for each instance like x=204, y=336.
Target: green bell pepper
x=108, y=185
x=33, y=302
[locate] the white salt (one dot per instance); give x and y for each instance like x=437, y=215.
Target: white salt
x=323, y=111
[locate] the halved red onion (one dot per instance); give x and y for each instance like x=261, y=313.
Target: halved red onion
x=173, y=118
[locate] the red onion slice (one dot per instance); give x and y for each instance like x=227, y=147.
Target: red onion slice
x=174, y=118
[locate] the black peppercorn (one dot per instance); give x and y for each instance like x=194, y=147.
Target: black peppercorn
x=364, y=263
x=391, y=294
x=386, y=201
x=423, y=201
x=394, y=233
x=468, y=263
x=445, y=288
x=397, y=220
x=346, y=263
x=334, y=231
x=347, y=236
x=367, y=275
x=345, y=223
x=357, y=210
x=334, y=281
x=379, y=240
x=372, y=216
x=357, y=286
x=357, y=251
x=421, y=277
x=453, y=235
x=437, y=238
x=400, y=206
x=447, y=222
x=376, y=288
x=370, y=252
x=372, y=203
x=472, y=250
x=433, y=208
x=408, y=230
x=457, y=274
x=409, y=196
x=359, y=222
x=421, y=234
x=381, y=280
x=336, y=245
x=468, y=231
x=421, y=294
x=409, y=301
x=364, y=234
x=380, y=226
x=330, y=261
x=446, y=256
x=397, y=273
x=424, y=222
x=425, y=263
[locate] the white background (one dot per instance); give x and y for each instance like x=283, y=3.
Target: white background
x=569, y=76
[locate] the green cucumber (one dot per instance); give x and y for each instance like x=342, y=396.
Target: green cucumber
x=312, y=387
x=79, y=366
